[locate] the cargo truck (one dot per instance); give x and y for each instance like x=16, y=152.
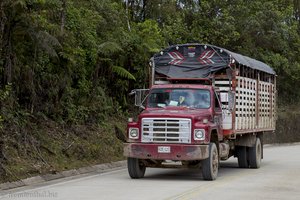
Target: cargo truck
x=204, y=104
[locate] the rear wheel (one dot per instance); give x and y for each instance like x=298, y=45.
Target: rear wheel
x=210, y=166
x=254, y=154
x=136, y=168
x=242, y=157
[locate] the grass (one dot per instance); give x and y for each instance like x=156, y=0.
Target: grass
x=49, y=147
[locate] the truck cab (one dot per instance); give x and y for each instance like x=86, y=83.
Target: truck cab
x=180, y=123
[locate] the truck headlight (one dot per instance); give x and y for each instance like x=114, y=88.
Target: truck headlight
x=133, y=133
x=199, y=134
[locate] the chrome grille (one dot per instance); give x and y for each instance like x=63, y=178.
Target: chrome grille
x=166, y=130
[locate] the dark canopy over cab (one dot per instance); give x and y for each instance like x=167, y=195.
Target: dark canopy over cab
x=200, y=61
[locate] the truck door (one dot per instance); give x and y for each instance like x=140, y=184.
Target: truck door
x=218, y=116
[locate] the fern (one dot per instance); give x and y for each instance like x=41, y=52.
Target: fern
x=108, y=48
x=120, y=71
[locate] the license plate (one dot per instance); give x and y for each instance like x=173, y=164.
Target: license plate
x=164, y=149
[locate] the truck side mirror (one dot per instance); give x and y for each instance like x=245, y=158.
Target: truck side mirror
x=140, y=95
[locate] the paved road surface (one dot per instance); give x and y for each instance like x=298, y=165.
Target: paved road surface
x=278, y=178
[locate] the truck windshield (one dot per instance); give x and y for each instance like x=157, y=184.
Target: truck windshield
x=194, y=98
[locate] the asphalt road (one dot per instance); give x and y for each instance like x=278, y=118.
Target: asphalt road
x=278, y=178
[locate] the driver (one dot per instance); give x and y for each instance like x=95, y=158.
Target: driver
x=186, y=99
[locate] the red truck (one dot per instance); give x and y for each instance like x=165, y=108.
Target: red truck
x=204, y=104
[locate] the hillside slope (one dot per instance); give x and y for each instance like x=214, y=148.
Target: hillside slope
x=48, y=147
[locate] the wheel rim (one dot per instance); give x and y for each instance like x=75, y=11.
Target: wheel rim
x=258, y=150
x=215, y=162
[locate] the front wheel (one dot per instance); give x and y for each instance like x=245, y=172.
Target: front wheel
x=210, y=166
x=136, y=168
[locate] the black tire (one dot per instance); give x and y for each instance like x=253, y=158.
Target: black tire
x=136, y=168
x=210, y=166
x=242, y=157
x=254, y=154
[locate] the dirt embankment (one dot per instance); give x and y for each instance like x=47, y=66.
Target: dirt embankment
x=48, y=147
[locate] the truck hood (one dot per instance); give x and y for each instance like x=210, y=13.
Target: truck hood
x=177, y=113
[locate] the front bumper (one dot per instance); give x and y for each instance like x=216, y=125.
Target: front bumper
x=178, y=151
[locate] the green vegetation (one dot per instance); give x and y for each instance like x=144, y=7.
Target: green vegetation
x=66, y=67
